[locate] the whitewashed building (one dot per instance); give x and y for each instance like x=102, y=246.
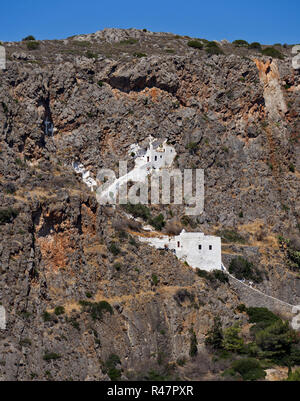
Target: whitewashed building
x=198, y=250
x=158, y=155
x=86, y=175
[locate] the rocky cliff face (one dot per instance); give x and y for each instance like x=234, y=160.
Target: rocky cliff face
x=234, y=115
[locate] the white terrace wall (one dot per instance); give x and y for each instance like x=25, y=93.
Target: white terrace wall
x=156, y=157
x=198, y=250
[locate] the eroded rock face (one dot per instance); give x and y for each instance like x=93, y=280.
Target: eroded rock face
x=234, y=117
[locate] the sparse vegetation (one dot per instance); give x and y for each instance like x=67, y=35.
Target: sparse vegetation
x=130, y=41
x=157, y=222
x=255, y=46
x=214, y=337
x=248, y=368
x=154, y=279
x=90, y=54
x=291, y=248
x=50, y=356
x=193, y=343
x=240, y=43
x=114, y=249
x=96, y=309
x=213, y=48
x=138, y=210
x=30, y=37
x=110, y=367
x=228, y=235
x=139, y=55
x=292, y=168
x=46, y=316
x=7, y=215
x=272, y=52
x=32, y=45
x=59, y=310
x=241, y=268
x=196, y=44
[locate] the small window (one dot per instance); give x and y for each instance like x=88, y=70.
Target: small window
x=148, y=159
x=155, y=158
x=200, y=247
x=178, y=244
x=210, y=247
x=161, y=157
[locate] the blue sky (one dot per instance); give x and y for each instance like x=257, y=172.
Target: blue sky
x=265, y=21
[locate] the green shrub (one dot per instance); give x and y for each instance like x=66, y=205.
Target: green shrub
x=202, y=273
x=249, y=369
x=154, y=279
x=49, y=356
x=241, y=308
x=46, y=316
x=158, y=222
x=7, y=215
x=100, y=84
x=96, y=309
x=5, y=108
x=192, y=147
x=195, y=44
x=276, y=341
x=111, y=369
x=32, y=45
x=214, y=337
x=30, y=37
x=257, y=315
x=139, y=55
x=228, y=235
x=221, y=276
x=241, y=268
x=294, y=376
x=59, y=310
x=138, y=210
x=114, y=249
x=213, y=48
x=90, y=54
x=292, y=168
x=271, y=52
x=193, y=343
x=232, y=342
x=255, y=46
x=117, y=266
x=240, y=43
x=130, y=41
